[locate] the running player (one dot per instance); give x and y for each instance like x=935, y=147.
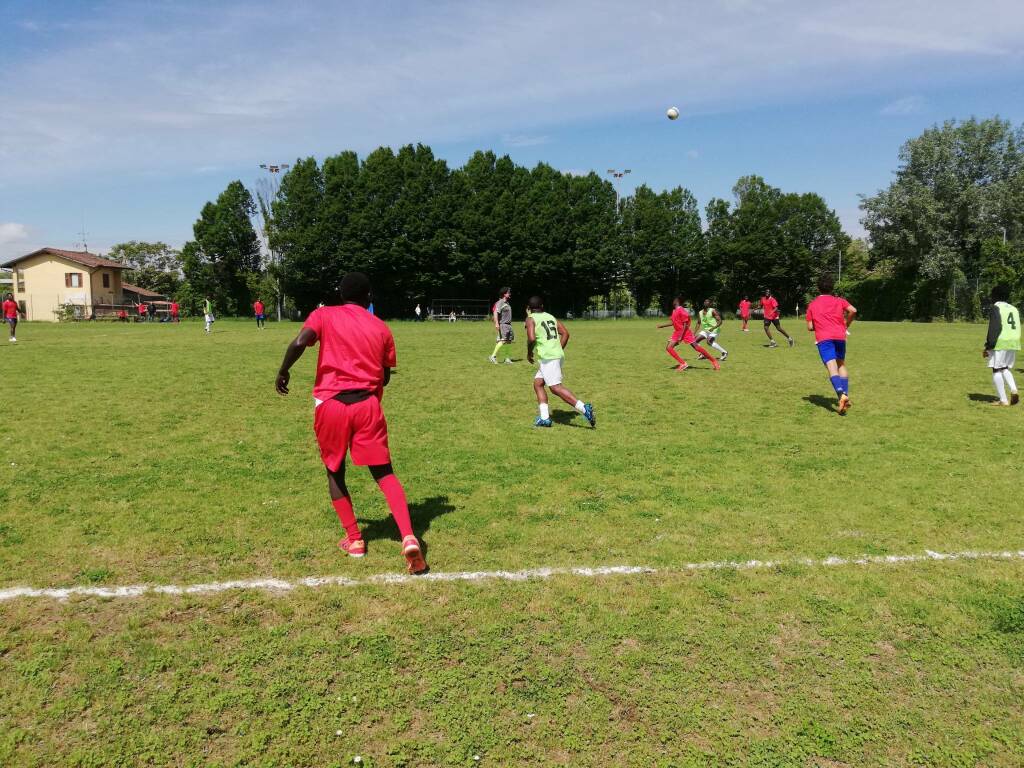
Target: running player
x=1002, y=343
x=710, y=327
x=261, y=317
x=546, y=338
x=828, y=316
x=770, y=307
x=745, y=313
x=680, y=322
x=11, y=312
x=357, y=353
x=208, y=317
x=501, y=313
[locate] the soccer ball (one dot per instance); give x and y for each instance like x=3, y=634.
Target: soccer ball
x=672, y=113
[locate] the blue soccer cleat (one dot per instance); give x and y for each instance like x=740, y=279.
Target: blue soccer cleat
x=542, y=422
x=588, y=413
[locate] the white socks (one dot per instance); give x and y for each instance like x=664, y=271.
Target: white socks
x=545, y=412
x=579, y=406
x=719, y=347
x=1008, y=376
x=997, y=379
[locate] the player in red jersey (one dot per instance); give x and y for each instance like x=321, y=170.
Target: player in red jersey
x=745, y=313
x=175, y=312
x=261, y=317
x=357, y=353
x=11, y=311
x=680, y=323
x=770, y=307
x=828, y=317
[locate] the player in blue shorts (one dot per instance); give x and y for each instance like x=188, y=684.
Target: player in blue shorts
x=829, y=316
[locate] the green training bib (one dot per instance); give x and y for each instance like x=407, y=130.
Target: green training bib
x=1009, y=335
x=549, y=346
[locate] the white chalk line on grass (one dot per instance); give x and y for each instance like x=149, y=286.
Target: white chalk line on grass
x=530, y=574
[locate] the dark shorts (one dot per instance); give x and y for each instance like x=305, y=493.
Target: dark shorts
x=832, y=349
x=261, y=317
x=11, y=321
x=774, y=322
x=505, y=334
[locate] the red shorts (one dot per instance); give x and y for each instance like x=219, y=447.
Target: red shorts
x=686, y=337
x=359, y=428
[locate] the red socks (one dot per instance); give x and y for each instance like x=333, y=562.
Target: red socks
x=395, y=496
x=343, y=507
x=702, y=352
x=672, y=351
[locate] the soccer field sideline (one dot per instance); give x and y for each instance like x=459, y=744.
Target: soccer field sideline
x=270, y=584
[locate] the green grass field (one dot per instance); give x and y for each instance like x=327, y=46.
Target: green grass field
x=158, y=455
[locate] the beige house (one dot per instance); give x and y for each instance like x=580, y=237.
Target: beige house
x=51, y=283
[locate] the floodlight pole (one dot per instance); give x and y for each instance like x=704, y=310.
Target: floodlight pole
x=616, y=174
x=273, y=170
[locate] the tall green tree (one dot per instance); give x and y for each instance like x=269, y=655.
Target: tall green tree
x=298, y=234
x=958, y=185
x=225, y=253
x=155, y=266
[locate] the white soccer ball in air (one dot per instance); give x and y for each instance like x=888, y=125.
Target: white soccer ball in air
x=672, y=113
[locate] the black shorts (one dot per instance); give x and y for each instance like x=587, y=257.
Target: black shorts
x=774, y=322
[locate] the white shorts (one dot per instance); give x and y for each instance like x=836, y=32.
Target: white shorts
x=550, y=371
x=208, y=318
x=709, y=336
x=1002, y=358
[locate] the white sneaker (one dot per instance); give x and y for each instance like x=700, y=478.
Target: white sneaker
x=724, y=357
x=508, y=361
x=493, y=359
x=791, y=341
x=13, y=339
x=773, y=344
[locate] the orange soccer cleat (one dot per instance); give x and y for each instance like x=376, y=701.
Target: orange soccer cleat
x=413, y=555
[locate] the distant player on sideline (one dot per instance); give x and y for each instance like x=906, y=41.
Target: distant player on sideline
x=680, y=323
x=1002, y=343
x=11, y=312
x=710, y=327
x=357, y=353
x=828, y=316
x=745, y=313
x=261, y=317
x=546, y=338
x=502, y=316
x=770, y=307
x=208, y=313
x=141, y=308
x=175, y=312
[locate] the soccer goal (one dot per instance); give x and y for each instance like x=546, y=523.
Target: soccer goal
x=454, y=310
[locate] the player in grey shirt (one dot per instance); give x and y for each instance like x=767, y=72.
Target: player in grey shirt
x=502, y=316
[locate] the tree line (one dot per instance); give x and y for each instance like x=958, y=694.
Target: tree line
x=945, y=230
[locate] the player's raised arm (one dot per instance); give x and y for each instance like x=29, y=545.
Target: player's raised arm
x=563, y=334
x=307, y=337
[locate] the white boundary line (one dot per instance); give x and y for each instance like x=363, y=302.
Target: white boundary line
x=313, y=582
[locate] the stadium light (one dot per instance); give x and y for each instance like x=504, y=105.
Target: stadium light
x=273, y=169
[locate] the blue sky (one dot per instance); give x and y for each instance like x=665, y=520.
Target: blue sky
x=127, y=117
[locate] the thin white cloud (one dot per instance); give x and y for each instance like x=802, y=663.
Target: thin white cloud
x=524, y=140
x=908, y=105
x=693, y=154
x=12, y=233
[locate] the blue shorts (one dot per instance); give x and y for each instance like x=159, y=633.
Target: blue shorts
x=261, y=317
x=832, y=349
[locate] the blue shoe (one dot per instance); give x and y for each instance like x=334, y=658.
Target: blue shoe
x=542, y=422
x=588, y=413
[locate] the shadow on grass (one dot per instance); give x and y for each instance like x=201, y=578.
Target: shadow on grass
x=568, y=419
x=821, y=401
x=422, y=514
x=977, y=397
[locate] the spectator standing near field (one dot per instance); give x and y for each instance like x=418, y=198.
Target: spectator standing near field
x=745, y=313
x=357, y=353
x=1002, y=343
x=502, y=317
x=141, y=309
x=419, y=313
x=175, y=312
x=261, y=317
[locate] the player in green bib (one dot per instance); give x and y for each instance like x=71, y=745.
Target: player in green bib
x=546, y=338
x=710, y=327
x=1002, y=343
x=208, y=313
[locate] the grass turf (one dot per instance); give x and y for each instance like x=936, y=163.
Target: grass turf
x=158, y=454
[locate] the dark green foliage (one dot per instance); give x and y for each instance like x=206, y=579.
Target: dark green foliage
x=155, y=266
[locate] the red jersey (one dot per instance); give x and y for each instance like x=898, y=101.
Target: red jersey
x=770, y=307
x=142, y=309
x=680, y=319
x=744, y=308
x=258, y=307
x=355, y=348
x=10, y=310
x=826, y=312
x=174, y=308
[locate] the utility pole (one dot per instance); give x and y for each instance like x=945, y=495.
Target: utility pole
x=266, y=199
x=616, y=174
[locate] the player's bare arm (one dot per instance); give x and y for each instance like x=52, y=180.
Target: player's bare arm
x=718, y=319
x=849, y=313
x=306, y=338
x=665, y=325
x=531, y=339
x=563, y=334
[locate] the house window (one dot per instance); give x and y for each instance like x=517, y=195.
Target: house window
x=72, y=279
x=106, y=279
x=21, y=280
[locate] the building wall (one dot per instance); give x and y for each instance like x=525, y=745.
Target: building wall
x=44, y=287
x=111, y=295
